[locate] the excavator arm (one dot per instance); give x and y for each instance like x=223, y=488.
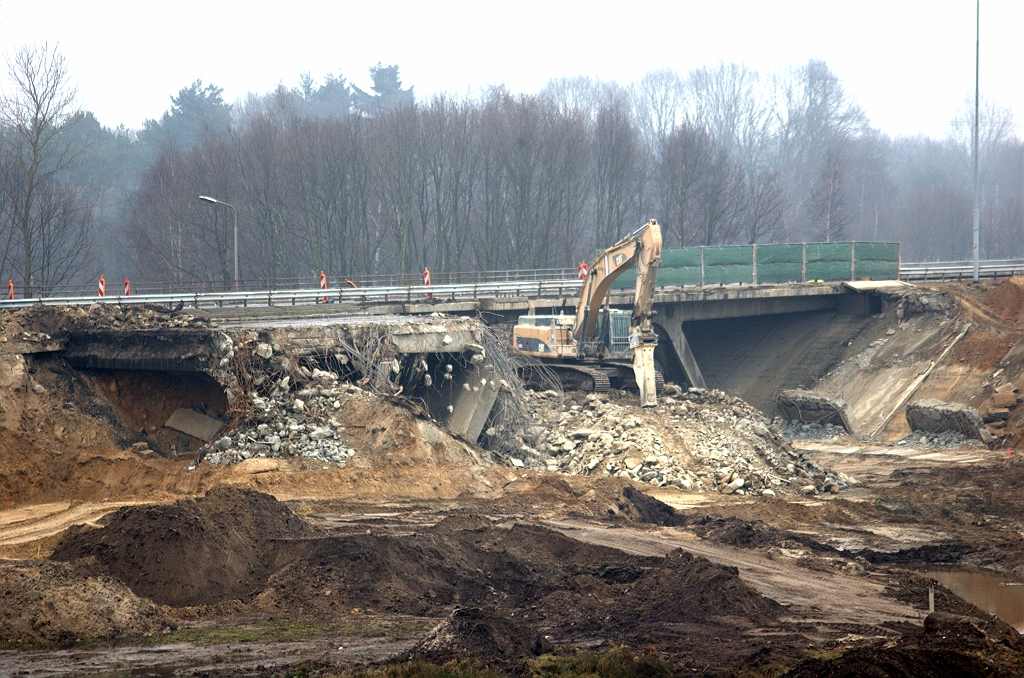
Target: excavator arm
x=642, y=247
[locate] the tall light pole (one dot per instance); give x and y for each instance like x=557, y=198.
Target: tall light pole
x=206, y=198
x=977, y=200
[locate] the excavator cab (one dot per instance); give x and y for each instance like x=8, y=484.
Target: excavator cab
x=611, y=337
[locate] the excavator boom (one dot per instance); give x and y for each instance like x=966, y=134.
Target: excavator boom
x=643, y=249
x=643, y=243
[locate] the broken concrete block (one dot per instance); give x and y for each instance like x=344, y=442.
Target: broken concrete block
x=1008, y=386
x=996, y=414
x=934, y=416
x=812, y=407
x=194, y=424
x=1005, y=399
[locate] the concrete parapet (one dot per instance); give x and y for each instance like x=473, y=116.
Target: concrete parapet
x=934, y=416
x=812, y=407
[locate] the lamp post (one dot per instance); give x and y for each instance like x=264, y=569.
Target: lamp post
x=977, y=200
x=206, y=198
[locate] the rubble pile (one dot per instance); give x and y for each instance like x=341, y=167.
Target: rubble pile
x=935, y=416
x=798, y=430
x=282, y=423
x=702, y=441
x=945, y=439
x=56, y=321
x=812, y=407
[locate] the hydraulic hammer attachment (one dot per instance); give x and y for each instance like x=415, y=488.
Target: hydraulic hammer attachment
x=643, y=370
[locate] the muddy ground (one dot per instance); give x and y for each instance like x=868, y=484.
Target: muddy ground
x=121, y=562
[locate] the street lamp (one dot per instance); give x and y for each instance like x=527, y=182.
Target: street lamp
x=206, y=198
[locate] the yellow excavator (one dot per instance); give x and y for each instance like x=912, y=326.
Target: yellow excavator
x=600, y=347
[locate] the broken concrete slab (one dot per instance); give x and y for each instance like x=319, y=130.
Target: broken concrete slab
x=194, y=424
x=812, y=407
x=1005, y=399
x=30, y=343
x=934, y=416
x=996, y=414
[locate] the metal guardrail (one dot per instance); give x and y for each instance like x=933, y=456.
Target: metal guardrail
x=140, y=288
x=344, y=295
x=411, y=293
x=959, y=270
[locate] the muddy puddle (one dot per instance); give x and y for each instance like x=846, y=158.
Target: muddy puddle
x=995, y=592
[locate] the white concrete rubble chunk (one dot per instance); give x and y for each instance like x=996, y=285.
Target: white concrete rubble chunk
x=194, y=424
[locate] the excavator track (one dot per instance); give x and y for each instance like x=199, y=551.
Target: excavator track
x=572, y=378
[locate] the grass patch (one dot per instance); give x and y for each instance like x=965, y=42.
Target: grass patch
x=419, y=669
x=615, y=663
x=30, y=644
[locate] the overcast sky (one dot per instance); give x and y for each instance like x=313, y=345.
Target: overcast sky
x=909, y=64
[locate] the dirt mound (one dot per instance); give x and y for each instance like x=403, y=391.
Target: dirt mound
x=240, y=545
x=431, y=571
x=61, y=602
x=928, y=554
x=949, y=645
x=685, y=583
x=193, y=552
x=646, y=509
x=1006, y=300
x=614, y=498
x=459, y=522
x=561, y=580
x=749, y=533
x=486, y=634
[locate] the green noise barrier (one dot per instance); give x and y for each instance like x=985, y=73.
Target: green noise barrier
x=773, y=264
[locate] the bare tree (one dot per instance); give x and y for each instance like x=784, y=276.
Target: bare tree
x=37, y=112
x=451, y=164
x=761, y=220
x=617, y=173
x=659, y=101
x=398, y=181
x=814, y=115
x=565, y=189
x=685, y=152
x=262, y=152
x=827, y=203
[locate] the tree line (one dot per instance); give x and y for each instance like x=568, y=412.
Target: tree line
x=325, y=176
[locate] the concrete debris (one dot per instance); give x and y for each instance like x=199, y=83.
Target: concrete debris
x=935, y=416
x=995, y=411
x=717, y=443
x=276, y=428
x=797, y=430
x=194, y=424
x=812, y=407
x=946, y=439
